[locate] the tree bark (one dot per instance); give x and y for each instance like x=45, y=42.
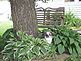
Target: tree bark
x=24, y=16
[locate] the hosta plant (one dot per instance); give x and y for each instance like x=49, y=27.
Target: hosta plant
x=71, y=20
x=26, y=48
x=66, y=40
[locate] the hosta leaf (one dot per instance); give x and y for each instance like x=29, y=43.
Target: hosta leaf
x=71, y=40
x=43, y=50
x=78, y=49
x=57, y=40
x=30, y=55
x=76, y=43
x=52, y=49
x=35, y=50
x=24, y=49
x=61, y=37
x=66, y=33
x=6, y=51
x=7, y=32
x=8, y=45
x=22, y=54
x=64, y=42
x=74, y=51
x=70, y=50
x=79, y=39
x=61, y=48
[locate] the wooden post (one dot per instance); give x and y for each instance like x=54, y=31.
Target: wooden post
x=44, y=16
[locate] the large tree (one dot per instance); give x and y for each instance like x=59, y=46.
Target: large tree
x=24, y=16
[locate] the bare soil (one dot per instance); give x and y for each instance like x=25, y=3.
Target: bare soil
x=61, y=57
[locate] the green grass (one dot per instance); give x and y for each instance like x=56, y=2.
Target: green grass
x=4, y=26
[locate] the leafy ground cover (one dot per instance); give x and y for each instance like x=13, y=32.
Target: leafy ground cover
x=65, y=40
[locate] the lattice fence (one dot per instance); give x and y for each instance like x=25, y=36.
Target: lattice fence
x=50, y=16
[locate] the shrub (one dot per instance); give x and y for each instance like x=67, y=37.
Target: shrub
x=25, y=48
x=66, y=40
x=5, y=37
x=8, y=34
x=71, y=20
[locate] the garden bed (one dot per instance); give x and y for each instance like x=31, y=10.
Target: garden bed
x=60, y=57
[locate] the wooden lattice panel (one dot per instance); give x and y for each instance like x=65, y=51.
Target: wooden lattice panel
x=50, y=16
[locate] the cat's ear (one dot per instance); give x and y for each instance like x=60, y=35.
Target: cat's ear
x=50, y=33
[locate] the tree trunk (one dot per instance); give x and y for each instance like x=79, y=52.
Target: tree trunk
x=24, y=16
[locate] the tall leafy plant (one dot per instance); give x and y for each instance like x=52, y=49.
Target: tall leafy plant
x=66, y=40
x=71, y=20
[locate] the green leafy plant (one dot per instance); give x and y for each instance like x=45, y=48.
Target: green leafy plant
x=71, y=20
x=8, y=34
x=66, y=40
x=25, y=48
x=5, y=37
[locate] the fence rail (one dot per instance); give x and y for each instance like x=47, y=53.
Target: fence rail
x=50, y=16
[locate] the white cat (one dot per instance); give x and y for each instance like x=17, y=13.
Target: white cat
x=48, y=37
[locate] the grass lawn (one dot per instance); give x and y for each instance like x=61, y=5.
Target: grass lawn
x=5, y=25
